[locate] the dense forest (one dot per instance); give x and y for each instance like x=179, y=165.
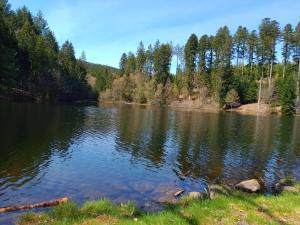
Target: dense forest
x=32, y=65
x=227, y=69
x=246, y=67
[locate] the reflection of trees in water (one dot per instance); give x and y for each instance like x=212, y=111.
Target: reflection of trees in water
x=30, y=135
x=287, y=145
x=209, y=145
x=198, y=140
x=142, y=132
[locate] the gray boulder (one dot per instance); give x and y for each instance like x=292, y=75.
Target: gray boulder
x=249, y=186
x=290, y=189
x=195, y=195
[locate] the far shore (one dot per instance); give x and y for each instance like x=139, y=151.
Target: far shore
x=247, y=109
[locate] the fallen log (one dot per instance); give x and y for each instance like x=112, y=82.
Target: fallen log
x=177, y=193
x=33, y=206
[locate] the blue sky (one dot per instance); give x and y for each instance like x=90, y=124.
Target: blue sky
x=105, y=29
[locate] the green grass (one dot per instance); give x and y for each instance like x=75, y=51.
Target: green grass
x=223, y=209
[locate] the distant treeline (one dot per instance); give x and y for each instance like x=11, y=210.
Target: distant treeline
x=31, y=62
x=233, y=68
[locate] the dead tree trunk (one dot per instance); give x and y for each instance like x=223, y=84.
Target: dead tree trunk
x=33, y=206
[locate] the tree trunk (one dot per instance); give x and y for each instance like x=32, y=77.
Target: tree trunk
x=284, y=66
x=243, y=67
x=298, y=81
x=177, y=65
x=33, y=206
x=270, y=78
x=259, y=92
x=261, y=77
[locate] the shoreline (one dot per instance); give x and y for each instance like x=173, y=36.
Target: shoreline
x=225, y=206
x=247, y=109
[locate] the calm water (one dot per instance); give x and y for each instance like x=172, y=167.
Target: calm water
x=132, y=152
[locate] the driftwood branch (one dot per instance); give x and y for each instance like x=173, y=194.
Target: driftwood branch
x=33, y=206
x=177, y=193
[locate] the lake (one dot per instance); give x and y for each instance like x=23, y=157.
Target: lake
x=124, y=152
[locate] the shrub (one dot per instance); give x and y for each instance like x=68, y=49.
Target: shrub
x=232, y=98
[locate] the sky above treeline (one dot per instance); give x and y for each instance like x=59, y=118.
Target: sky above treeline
x=105, y=29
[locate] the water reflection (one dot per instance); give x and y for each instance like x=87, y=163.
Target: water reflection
x=132, y=152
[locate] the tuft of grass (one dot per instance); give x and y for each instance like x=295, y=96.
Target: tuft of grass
x=31, y=218
x=100, y=207
x=67, y=210
x=127, y=209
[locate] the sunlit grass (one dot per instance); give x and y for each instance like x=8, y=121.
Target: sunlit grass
x=223, y=209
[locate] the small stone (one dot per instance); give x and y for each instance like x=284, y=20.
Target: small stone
x=285, y=182
x=290, y=189
x=242, y=223
x=194, y=195
x=249, y=186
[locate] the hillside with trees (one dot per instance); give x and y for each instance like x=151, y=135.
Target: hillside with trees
x=259, y=66
x=32, y=65
x=245, y=66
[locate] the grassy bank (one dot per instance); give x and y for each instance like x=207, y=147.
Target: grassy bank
x=225, y=208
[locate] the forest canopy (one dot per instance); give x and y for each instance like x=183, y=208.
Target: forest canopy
x=32, y=65
x=246, y=63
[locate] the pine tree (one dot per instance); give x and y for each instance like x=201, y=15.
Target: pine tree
x=203, y=59
x=268, y=33
x=122, y=64
x=40, y=24
x=252, y=45
x=178, y=52
x=223, y=55
x=285, y=87
x=210, y=53
x=162, y=63
x=296, y=56
x=203, y=48
x=83, y=56
x=287, y=38
x=149, y=61
x=140, y=58
x=240, y=43
x=190, y=55
x=67, y=58
x=130, y=64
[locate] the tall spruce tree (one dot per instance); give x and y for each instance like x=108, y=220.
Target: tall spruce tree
x=162, y=63
x=190, y=55
x=122, y=64
x=287, y=38
x=269, y=33
x=130, y=64
x=240, y=45
x=252, y=45
x=140, y=58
